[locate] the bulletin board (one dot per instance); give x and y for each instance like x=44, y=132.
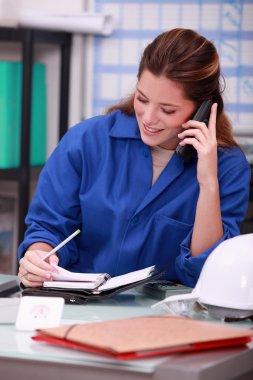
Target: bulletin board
x=227, y=23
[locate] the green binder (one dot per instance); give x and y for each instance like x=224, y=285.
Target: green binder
x=10, y=114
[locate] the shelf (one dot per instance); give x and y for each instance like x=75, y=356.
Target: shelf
x=15, y=174
x=28, y=38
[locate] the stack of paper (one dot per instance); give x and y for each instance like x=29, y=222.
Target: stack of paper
x=82, y=22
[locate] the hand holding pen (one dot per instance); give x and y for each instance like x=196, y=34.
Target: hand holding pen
x=61, y=245
x=34, y=269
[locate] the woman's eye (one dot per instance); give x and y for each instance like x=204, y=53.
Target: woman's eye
x=142, y=100
x=168, y=112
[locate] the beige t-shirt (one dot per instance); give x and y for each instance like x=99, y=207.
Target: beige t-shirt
x=160, y=158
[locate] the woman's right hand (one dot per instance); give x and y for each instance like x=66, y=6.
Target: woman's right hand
x=33, y=271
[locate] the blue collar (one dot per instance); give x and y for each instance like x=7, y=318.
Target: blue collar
x=124, y=126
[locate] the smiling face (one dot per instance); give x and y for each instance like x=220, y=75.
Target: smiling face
x=161, y=108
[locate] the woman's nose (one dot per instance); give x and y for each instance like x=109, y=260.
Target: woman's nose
x=150, y=116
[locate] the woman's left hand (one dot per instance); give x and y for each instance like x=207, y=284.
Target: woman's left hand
x=203, y=139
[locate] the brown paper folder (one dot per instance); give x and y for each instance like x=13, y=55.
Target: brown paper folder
x=141, y=337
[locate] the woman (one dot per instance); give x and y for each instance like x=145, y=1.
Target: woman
x=118, y=178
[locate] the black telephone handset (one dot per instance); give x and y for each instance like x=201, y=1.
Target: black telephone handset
x=202, y=114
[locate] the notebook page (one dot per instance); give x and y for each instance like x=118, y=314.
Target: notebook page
x=65, y=275
x=70, y=285
x=128, y=278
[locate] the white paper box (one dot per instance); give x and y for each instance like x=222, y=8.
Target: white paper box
x=9, y=12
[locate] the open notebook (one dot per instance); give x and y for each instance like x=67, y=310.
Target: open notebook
x=95, y=282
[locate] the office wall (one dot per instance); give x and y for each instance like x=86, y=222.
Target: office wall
x=227, y=23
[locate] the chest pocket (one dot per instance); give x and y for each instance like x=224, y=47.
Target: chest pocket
x=164, y=222
x=171, y=233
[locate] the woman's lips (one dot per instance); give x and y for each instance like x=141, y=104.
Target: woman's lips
x=151, y=131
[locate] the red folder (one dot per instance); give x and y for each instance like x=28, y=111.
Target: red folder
x=143, y=337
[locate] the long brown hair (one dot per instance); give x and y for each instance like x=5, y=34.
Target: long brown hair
x=190, y=59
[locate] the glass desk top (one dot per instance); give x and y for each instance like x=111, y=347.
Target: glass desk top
x=18, y=345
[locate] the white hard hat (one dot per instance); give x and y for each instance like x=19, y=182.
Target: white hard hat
x=225, y=283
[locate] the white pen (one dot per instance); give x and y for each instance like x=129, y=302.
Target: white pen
x=61, y=244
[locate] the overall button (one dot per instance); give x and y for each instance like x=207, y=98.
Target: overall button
x=145, y=152
x=135, y=220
